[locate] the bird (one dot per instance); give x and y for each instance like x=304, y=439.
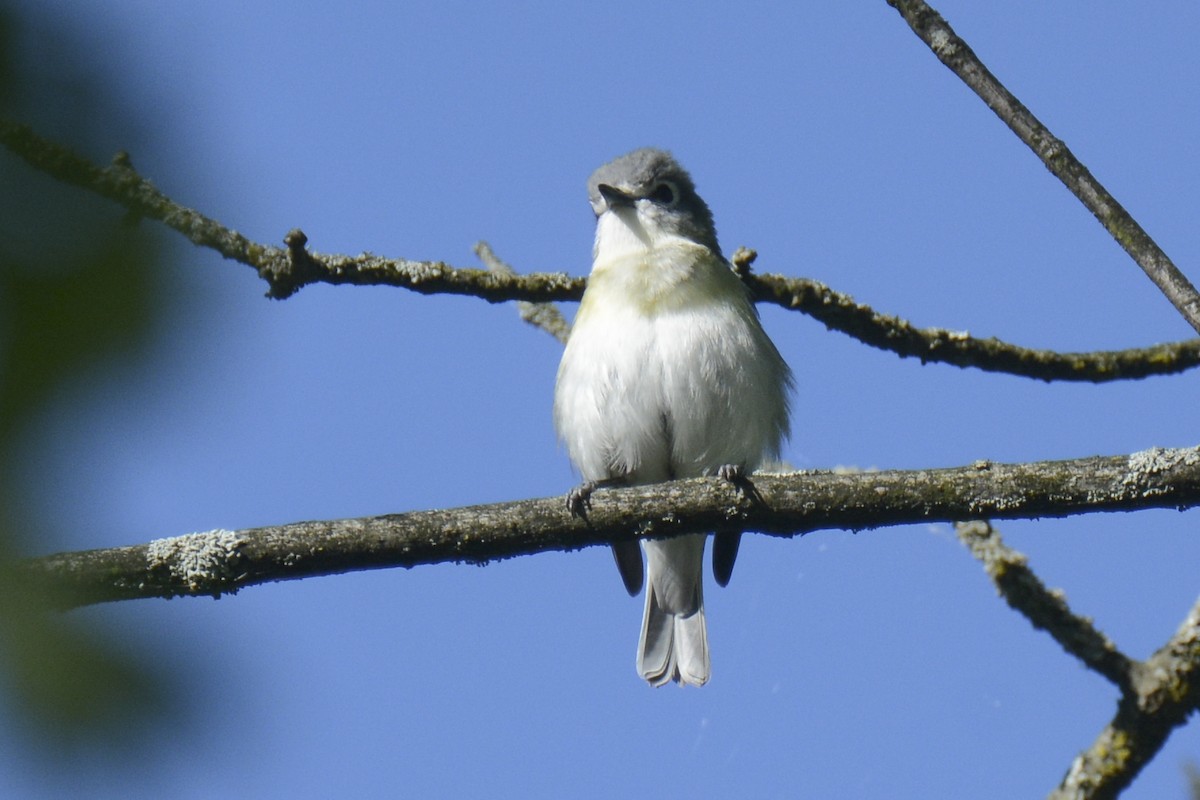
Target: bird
x=667, y=373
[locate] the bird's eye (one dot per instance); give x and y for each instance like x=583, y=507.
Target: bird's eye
x=663, y=193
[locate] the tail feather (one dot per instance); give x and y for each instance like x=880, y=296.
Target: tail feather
x=674, y=640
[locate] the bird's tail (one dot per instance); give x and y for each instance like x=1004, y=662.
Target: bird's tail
x=674, y=641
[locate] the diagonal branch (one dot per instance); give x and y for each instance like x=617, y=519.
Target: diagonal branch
x=952, y=51
x=287, y=270
x=540, y=315
x=1045, y=608
x=784, y=505
x=1157, y=695
x=1165, y=693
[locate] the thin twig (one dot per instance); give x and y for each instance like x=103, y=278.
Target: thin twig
x=782, y=505
x=1047, y=609
x=545, y=316
x=952, y=51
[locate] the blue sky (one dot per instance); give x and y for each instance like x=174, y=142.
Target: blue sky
x=825, y=136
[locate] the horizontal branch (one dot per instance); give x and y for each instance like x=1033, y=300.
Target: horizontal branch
x=957, y=55
x=1157, y=695
x=288, y=269
x=840, y=312
x=221, y=562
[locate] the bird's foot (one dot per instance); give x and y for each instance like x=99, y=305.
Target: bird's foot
x=734, y=473
x=725, y=543
x=579, y=499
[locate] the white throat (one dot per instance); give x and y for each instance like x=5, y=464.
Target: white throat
x=621, y=235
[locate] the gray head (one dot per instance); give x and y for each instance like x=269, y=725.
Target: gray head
x=658, y=193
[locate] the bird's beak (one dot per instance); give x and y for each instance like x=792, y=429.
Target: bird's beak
x=614, y=197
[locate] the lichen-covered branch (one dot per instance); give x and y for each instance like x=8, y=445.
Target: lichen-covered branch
x=952, y=51
x=1157, y=695
x=288, y=269
x=840, y=312
x=784, y=504
x=1165, y=692
x=1045, y=608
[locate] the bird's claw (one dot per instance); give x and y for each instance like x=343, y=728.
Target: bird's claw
x=579, y=499
x=734, y=473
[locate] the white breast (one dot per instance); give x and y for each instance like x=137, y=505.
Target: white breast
x=667, y=372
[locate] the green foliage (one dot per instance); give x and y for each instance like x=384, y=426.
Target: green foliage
x=80, y=290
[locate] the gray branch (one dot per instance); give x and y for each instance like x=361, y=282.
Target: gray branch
x=545, y=316
x=1046, y=608
x=840, y=312
x=952, y=51
x=1157, y=695
x=288, y=269
x=1165, y=692
x=222, y=562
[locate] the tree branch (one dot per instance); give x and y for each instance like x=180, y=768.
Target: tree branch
x=1157, y=695
x=222, y=562
x=1047, y=609
x=952, y=51
x=841, y=313
x=540, y=315
x=287, y=270
x=1165, y=692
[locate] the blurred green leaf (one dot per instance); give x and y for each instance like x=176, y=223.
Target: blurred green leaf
x=80, y=292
